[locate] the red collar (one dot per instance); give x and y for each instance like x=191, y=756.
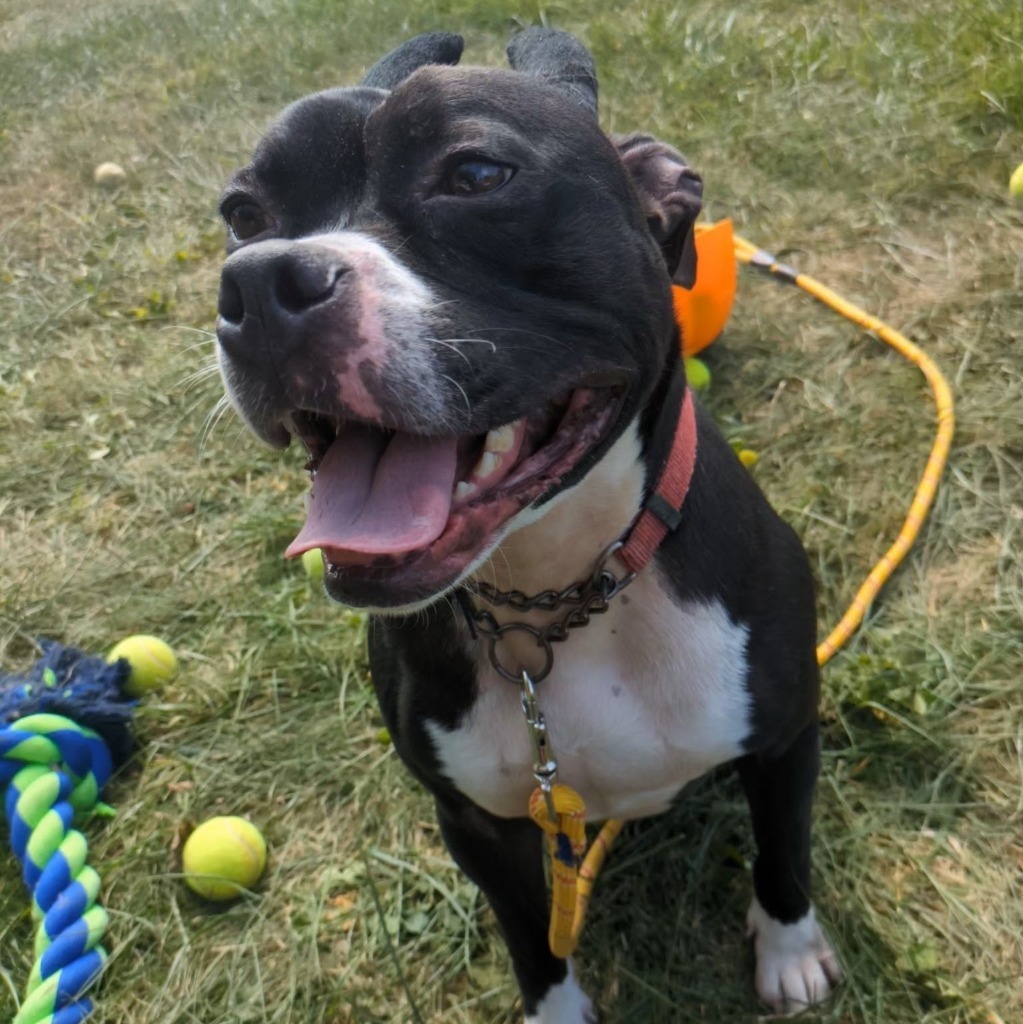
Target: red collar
x=661, y=512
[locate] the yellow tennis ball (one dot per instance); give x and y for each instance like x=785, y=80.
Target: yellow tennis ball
x=697, y=374
x=312, y=562
x=153, y=663
x=223, y=857
x=109, y=175
x=1016, y=185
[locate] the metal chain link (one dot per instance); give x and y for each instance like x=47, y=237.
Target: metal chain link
x=587, y=598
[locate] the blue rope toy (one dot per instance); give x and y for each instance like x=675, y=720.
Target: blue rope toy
x=65, y=725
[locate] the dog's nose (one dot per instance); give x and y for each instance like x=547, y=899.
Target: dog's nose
x=278, y=284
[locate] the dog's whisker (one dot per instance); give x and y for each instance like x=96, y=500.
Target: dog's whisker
x=199, y=346
x=197, y=377
x=499, y=550
x=468, y=407
x=468, y=341
x=215, y=415
x=189, y=329
x=449, y=345
x=401, y=245
x=549, y=339
x=440, y=304
x=207, y=338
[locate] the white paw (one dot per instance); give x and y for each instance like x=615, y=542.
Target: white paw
x=565, y=1003
x=796, y=966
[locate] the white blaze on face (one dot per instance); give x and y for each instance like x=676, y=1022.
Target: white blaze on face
x=393, y=335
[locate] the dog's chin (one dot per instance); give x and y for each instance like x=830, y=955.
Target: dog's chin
x=401, y=589
x=501, y=476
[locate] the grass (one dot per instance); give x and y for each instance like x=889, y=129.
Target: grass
x=869, y=142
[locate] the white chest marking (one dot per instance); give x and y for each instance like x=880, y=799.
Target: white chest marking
x=646, y=698
x=642, y=700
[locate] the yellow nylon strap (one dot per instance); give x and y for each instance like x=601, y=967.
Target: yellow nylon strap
x=572, y=885
x=571, y=882
x=566, y=843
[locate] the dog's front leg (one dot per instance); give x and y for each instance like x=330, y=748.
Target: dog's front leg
x=504, y=857
x=795, y=964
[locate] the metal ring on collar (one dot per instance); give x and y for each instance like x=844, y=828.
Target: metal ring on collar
x=541, y=642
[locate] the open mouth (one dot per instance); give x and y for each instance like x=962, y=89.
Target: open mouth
x=400, y=516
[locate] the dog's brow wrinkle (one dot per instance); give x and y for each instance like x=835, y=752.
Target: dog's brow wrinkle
x=484, y=132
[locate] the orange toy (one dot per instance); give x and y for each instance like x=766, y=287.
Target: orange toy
x=703, y=310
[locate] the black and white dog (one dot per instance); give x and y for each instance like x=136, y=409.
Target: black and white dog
x=453, y=288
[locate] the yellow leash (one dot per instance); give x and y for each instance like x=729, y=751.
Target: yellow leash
x=927, y=488
x=572, y=882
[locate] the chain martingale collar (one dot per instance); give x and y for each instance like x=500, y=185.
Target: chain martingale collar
x=584, y=599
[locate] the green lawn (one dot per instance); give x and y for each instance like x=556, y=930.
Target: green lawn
x=872, y=144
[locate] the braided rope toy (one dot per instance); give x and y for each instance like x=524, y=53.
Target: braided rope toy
x=66, y=728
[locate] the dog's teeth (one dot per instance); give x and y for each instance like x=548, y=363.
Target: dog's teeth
x=500, y=439
x=496, y=446
x=464, y=491
x=488, y=465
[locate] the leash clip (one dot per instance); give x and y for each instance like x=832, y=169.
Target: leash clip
x=545, y=765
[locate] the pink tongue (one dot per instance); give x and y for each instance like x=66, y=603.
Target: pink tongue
x=378, y=494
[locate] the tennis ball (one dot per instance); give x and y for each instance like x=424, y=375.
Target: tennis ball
x=312, y=562
x=222, y=857
x=153, y=663
x=748, y=457
x=697, y=374
x=109, y=175
x=1016, y=185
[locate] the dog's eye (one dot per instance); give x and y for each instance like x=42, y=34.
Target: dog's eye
x=474, y=177
x=246, y=220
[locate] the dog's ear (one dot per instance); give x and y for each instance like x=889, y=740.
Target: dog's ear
x=671, y=193
x=559, y=59
x=396, y=66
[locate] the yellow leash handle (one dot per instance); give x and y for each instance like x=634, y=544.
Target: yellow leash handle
x=572, y=883
x=566, y=843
